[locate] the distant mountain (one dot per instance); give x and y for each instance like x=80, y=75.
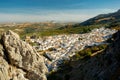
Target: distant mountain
x=103, y=19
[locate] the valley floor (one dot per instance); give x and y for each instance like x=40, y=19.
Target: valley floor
x=61, y=47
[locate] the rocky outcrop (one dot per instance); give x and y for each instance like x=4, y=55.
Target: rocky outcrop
x=19, y=61
x=7, y=71
x=4, y=69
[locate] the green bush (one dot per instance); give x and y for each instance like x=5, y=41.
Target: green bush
x=29, y=30
x=86, y=53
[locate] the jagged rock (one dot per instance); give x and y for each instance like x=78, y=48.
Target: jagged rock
x=4, y=69
x=3, y=66
x=23, y=57
x=1, y=50
x=16, y=74
x=7, y=71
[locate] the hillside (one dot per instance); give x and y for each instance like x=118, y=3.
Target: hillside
x=46, y=29
x=104, y=65
x=103, y=19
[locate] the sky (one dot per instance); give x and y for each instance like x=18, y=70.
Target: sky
x=54, y=10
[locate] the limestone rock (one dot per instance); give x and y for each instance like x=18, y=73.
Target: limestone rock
x=16, y=74
x=4, y=69
x=21, y=55
x=3, y=66
x=1, y=50
x=7, y=71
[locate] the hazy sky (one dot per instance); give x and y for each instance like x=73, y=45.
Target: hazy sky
x=58, y=10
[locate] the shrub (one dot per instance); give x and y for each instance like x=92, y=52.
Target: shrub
x=29, y=30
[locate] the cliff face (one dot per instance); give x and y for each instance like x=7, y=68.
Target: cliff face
x=18, y=60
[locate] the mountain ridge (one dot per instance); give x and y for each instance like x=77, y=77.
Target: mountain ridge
x=103, y=19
